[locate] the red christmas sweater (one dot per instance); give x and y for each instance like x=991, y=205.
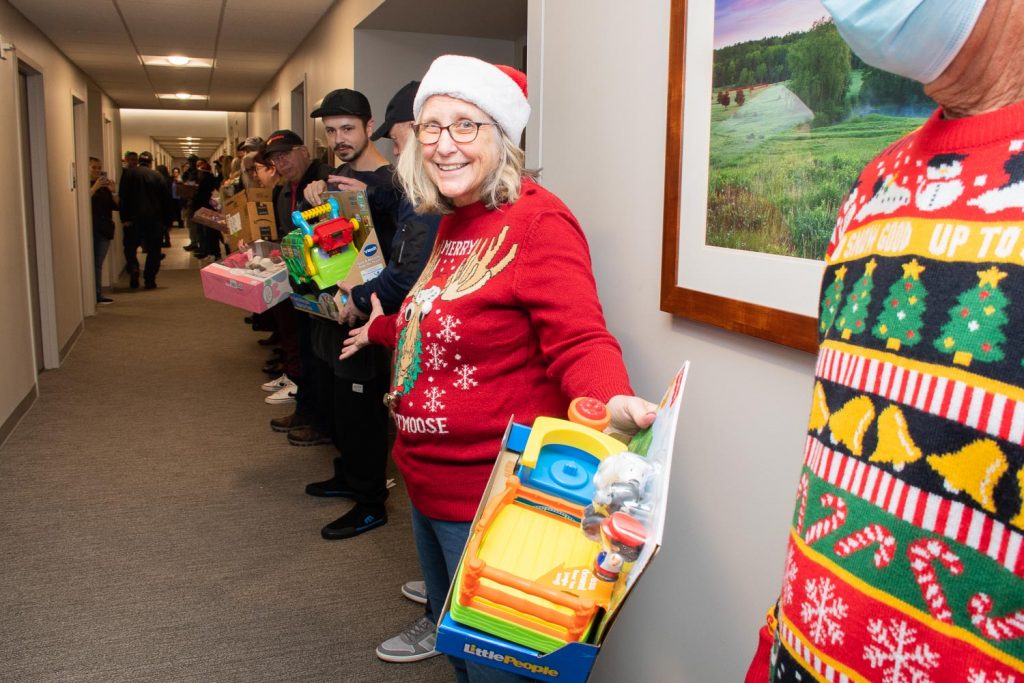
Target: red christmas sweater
x=906, y=552
x=504, y=321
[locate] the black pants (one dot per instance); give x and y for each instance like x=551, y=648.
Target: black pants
x=357, y=422
x=147, y=234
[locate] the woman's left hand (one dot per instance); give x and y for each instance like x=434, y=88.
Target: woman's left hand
x=630, y=414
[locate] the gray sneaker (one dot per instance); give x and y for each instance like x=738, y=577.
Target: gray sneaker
x=412, y=645
x=415, y=591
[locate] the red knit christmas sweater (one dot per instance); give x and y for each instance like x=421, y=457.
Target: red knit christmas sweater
x=504, y=321
x=905, y=560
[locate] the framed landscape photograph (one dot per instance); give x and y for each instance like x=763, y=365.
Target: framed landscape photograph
x=770, y=120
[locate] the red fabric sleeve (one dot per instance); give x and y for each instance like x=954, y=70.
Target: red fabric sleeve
x=554, y=282
x=382, y=330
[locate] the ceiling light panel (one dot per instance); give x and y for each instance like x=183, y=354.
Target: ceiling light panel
x=164, y=60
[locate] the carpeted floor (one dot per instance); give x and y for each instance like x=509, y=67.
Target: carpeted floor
x=153, y=528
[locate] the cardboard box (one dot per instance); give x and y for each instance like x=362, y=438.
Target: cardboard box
x=250, y=215
x=572, y=662
x=210, y=218
x=230, y=282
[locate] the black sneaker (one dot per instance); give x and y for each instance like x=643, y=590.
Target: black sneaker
x=332, y=488
x=290, y=422
x=190, y=247
x=133, y=280
x=354, y=522
x=104, y=300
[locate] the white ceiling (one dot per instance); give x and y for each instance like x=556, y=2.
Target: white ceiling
x=248, y=41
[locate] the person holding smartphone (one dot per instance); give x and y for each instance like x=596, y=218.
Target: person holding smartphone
x=104, y=204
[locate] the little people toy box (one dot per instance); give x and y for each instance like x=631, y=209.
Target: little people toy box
x=248, y=281
x=568, y=523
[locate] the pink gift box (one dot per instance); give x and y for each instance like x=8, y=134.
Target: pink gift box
x=253, y=291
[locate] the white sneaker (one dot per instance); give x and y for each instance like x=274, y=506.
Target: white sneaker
x=285, y=394
x=278, y=384
x=412, y=645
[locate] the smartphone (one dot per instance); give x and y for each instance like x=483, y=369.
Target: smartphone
x=103, y=174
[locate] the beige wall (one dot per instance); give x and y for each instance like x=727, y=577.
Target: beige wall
x=694, y=618
x=387, y=60
x=323, y=62
x=67, y=244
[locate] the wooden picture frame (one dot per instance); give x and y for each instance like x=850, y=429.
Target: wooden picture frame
x=773, y=324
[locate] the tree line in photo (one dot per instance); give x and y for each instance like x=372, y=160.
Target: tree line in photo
x=819, y=68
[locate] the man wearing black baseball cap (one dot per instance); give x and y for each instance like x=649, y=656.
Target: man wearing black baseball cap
x=357, y=416
x=398, y=118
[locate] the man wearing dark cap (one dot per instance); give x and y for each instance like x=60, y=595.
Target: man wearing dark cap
x=307, y=426
x=143, y=205
x=398, y=118
x=356, y=413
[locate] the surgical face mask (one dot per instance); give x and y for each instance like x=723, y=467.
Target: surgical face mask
x=913, y=38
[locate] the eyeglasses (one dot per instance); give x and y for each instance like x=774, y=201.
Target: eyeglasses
x=460, y=131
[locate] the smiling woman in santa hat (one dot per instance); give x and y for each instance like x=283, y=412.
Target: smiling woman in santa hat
x=504, y=320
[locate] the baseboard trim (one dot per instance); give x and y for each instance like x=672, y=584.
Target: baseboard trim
x=71, y=342
x=19, y=412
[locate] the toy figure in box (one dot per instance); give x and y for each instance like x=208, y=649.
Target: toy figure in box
x=622, y=539
x=622, y=482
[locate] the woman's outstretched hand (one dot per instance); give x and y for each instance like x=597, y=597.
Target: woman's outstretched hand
x=360, y=337
x=630, y=414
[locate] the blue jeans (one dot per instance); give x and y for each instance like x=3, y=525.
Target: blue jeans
x=439, y=545
x=100, y=245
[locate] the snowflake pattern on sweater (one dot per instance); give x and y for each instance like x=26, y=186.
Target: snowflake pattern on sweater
x=504, y=321
x=908, y=532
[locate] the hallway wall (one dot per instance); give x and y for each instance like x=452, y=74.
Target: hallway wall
x=61, y=81
x=323, y=62
x=694, y=617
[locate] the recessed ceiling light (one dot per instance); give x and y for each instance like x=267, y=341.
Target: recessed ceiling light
x=176, y=61
x=181, y=96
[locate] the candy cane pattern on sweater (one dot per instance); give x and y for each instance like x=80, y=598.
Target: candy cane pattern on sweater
x=801, y=494
x=922, y=553
x=869, y=535
x=824, y=527
x=999, y=628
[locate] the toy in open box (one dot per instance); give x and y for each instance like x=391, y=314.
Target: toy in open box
x=545, y=555
x=323, y=251
x=568, y=523
x=253, y=280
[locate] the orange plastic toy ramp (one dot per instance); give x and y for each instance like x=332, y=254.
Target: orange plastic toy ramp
x=543, y=544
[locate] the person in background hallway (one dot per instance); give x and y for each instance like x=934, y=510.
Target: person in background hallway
x=903, y=557
x=143, y=208
x=104, y=204
x=209, y=238
x=175, y=178
x=171, y=207
x=510, y=269
x=190, y=176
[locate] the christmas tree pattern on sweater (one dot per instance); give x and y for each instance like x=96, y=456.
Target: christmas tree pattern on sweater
x=906, y=552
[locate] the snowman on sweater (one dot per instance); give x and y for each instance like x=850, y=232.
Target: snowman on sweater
x=942, y=185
